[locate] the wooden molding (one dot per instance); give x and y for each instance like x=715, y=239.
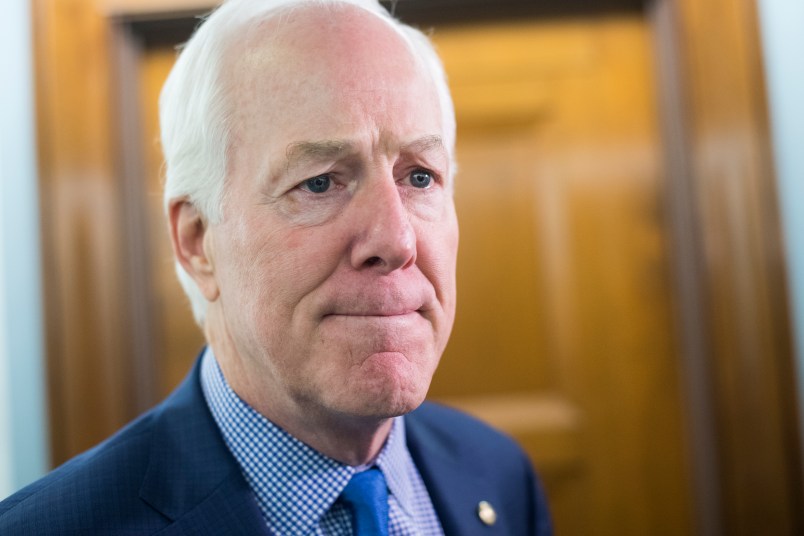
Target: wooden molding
x=81, y=228
x=730, y=269
x=420, y=11
x=156, y=9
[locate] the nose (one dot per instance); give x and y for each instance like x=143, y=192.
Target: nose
x=385, y=239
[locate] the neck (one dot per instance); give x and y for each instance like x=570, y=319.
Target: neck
x=349, y=442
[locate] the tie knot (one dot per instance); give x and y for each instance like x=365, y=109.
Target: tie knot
x=366, y=495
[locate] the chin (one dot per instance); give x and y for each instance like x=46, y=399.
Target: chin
x=386, y=398
x=400, y=405
x=382, y=386
x=386, y=409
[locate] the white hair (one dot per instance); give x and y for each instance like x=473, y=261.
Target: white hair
x=194, y=112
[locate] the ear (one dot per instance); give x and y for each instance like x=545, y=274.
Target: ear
x=189, y=235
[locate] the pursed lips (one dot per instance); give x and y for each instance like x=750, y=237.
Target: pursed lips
x=375, y=313
x=384, y=303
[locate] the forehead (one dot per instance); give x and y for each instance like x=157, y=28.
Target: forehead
x=310, y=59
x=330, y=37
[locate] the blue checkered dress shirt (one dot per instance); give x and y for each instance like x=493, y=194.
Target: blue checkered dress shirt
x=297, y=487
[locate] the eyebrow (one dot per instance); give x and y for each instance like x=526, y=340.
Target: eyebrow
x=425, y=144
x=304, y=151
x=311, y=151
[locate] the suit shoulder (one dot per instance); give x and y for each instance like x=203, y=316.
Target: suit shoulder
x=440, y=437
x=101, y=482
x=461, y=433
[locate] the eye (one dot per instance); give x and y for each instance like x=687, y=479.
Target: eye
x=317, y=185
x=421, y=178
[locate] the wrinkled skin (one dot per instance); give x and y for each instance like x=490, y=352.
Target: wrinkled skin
x=331, y=275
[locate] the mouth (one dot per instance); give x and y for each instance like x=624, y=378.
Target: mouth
x=376, y=302
x=377, y=313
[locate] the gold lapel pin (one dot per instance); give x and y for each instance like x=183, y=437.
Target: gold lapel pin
x=486, y=513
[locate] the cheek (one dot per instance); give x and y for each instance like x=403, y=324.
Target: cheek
x=438, y=251
x=278, y=269
x=249, y=271
x=437, y=258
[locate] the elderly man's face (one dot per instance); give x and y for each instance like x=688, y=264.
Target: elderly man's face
x=335, y=259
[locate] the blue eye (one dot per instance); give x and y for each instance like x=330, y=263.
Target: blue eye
x=421, y=178
x=319, y=184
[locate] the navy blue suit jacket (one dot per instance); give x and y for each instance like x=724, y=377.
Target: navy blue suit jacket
x=170, y=473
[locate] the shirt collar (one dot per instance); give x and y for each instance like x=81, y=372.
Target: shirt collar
x=394, y=460
x=294, y=484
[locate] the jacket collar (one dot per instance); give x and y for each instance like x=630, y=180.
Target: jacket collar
x=455, y=488
x=192, y=478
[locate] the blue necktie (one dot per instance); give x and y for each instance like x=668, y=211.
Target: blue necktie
x=367, y=496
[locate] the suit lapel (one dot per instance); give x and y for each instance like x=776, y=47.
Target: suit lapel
x=455, y=488
x=230, y=509
x=192, y=479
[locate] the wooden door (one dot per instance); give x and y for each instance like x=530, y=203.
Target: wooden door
x=563, y=335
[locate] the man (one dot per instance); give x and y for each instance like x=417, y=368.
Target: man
x=309, y=150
